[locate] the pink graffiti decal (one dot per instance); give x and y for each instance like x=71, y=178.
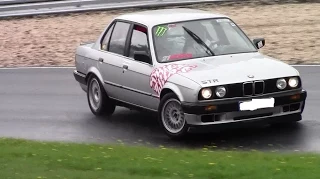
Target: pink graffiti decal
x=159, y=76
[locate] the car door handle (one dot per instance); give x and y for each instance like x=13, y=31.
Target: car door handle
x=100, y=59
x=125, y=66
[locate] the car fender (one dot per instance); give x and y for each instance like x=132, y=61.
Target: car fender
x=94, y=71
x=174, y=88
x=185, y=93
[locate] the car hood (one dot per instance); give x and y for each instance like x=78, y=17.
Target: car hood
x=237, y=68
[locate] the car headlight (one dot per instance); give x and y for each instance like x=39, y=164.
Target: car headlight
x=221, y=91
x=206, y=93
x=293, y=82
x=281, y=84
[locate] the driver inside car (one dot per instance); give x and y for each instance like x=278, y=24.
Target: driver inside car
x=191, y=46
x=176, y=43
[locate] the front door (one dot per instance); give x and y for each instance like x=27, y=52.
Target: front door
x=137, y=73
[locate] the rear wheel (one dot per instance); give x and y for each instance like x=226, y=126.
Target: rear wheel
x=171, y=117
x=98, y=100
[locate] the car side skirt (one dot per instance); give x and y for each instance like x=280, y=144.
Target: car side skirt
x=131, y=89
x=132, y=106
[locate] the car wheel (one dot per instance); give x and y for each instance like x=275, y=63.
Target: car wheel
x=99, y=102
x=171, y=117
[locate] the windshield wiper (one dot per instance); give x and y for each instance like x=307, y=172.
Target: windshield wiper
x=198, y=40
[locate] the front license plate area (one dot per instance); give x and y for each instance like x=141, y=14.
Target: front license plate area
x=255, y=104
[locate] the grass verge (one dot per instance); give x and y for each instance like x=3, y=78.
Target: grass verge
x=31, y=159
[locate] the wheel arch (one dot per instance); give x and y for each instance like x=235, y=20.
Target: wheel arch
x=170, y=87
x=94, y=71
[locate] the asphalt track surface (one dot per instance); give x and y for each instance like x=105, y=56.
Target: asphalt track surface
x=48, y=104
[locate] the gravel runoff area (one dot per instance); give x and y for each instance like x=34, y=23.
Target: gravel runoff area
x=291, y=30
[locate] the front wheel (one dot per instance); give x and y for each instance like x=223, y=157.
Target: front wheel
x=99, y=102
x=172, y=117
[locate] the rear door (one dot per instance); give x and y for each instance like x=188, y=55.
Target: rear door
x=111, y=57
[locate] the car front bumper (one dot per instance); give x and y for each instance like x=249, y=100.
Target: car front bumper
x=288, y=105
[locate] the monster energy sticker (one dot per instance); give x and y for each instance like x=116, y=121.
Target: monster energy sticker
x=161, y=30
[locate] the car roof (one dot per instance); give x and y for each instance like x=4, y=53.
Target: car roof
x=163, y=16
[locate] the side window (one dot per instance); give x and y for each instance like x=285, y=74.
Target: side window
x=118, y=38
x=139, y=40
x=105, y=42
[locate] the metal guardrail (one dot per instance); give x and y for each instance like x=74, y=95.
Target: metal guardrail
x=29, y=8
x=11, y=2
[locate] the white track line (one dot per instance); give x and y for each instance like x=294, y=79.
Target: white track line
x=53, y=67
x=72, y=67
x=307, y=65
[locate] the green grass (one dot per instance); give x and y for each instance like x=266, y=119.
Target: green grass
x=31, y=159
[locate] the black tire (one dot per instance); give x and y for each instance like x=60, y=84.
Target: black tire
x=177, y=135
x=105, y=106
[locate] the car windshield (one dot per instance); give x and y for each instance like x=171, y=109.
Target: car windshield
x=199, y=38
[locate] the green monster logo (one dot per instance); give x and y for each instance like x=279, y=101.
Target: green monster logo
x=161, y=30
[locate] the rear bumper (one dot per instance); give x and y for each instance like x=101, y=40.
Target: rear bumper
x=287, y=106
x=80, y=77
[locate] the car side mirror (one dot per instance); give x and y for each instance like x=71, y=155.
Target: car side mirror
x=259, y=42
x=142, y=56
